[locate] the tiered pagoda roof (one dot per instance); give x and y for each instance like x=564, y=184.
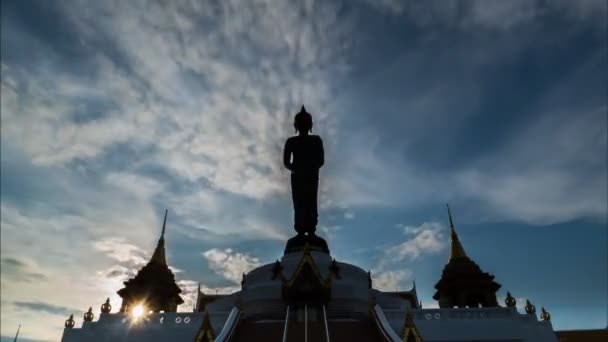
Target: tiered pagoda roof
x=462, y=282
x=154, y=285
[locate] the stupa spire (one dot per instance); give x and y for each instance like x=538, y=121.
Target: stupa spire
x=456, y=250
x=462, y=282
x=17, y=334
x=159, y=253
x=154, y=284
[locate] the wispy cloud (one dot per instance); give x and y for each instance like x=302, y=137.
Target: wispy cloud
x=18, y=270
x=393, y=268
x=208, y=115
x=547, y=171
x=391, y=280
x=426, y=238
x=154, y=91
x=546, y=180
x=46, y=307
x=489, y=14
x=230, y=264
x=189, y=292
x=118, y=249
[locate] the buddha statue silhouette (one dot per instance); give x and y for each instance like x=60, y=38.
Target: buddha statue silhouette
x=303, y=156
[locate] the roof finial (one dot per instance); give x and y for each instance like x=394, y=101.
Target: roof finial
x=17, y=334
x=198, y=298
x=159, y=252
x=456, y=248
x=162, y=234
x=450, y=216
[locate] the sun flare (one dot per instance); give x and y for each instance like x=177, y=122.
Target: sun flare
x=138, y=311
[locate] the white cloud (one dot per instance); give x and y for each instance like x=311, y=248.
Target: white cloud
x=213, y=109
x=391, y=280
x=121, y=251
x=427, y=238
x=391, y=271
x=230, y=264
x=203, y=211
x=189, y=288
x=547, y=174
x=61, y=244
x=140, y=186
x=430, y=305
x=203, y=104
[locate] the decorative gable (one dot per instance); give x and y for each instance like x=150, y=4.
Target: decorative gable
x=410, y=331
x=306, y=282
x=205, y=332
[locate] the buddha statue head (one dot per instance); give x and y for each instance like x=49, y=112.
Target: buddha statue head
x=303, y=121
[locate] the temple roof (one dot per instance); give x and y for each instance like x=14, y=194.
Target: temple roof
x=462, y=275
x=154, y=281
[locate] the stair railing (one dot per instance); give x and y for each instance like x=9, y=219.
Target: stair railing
x=326, y=327
x=286, y=324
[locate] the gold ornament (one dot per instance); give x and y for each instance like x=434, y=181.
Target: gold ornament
x=88, y=316
x=510, y=301
x=530, y=309
x=106, y=307
x=544, y=315
x=69, y=323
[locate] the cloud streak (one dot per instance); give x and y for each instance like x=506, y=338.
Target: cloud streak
x=230, y=264
x=45, y=307
x=19, y=271
x=393, y=269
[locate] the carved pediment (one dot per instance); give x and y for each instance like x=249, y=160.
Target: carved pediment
x=205, y=332
x=306, y=282
x=410, y=332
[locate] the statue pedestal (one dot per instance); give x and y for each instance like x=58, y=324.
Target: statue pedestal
x=297, y=243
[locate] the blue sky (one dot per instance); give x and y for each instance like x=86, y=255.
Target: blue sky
x=114, y=111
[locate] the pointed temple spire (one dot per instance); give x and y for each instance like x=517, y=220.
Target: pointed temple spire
x=162, y=233
x=463, y=283
x=154, y=285
x=198, y=297
x=17, y=334
x=456, y=250
x=159, y=253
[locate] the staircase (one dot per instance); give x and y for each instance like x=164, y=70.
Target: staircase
x=342, y=330
x=308, y=325
x=258, y=331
